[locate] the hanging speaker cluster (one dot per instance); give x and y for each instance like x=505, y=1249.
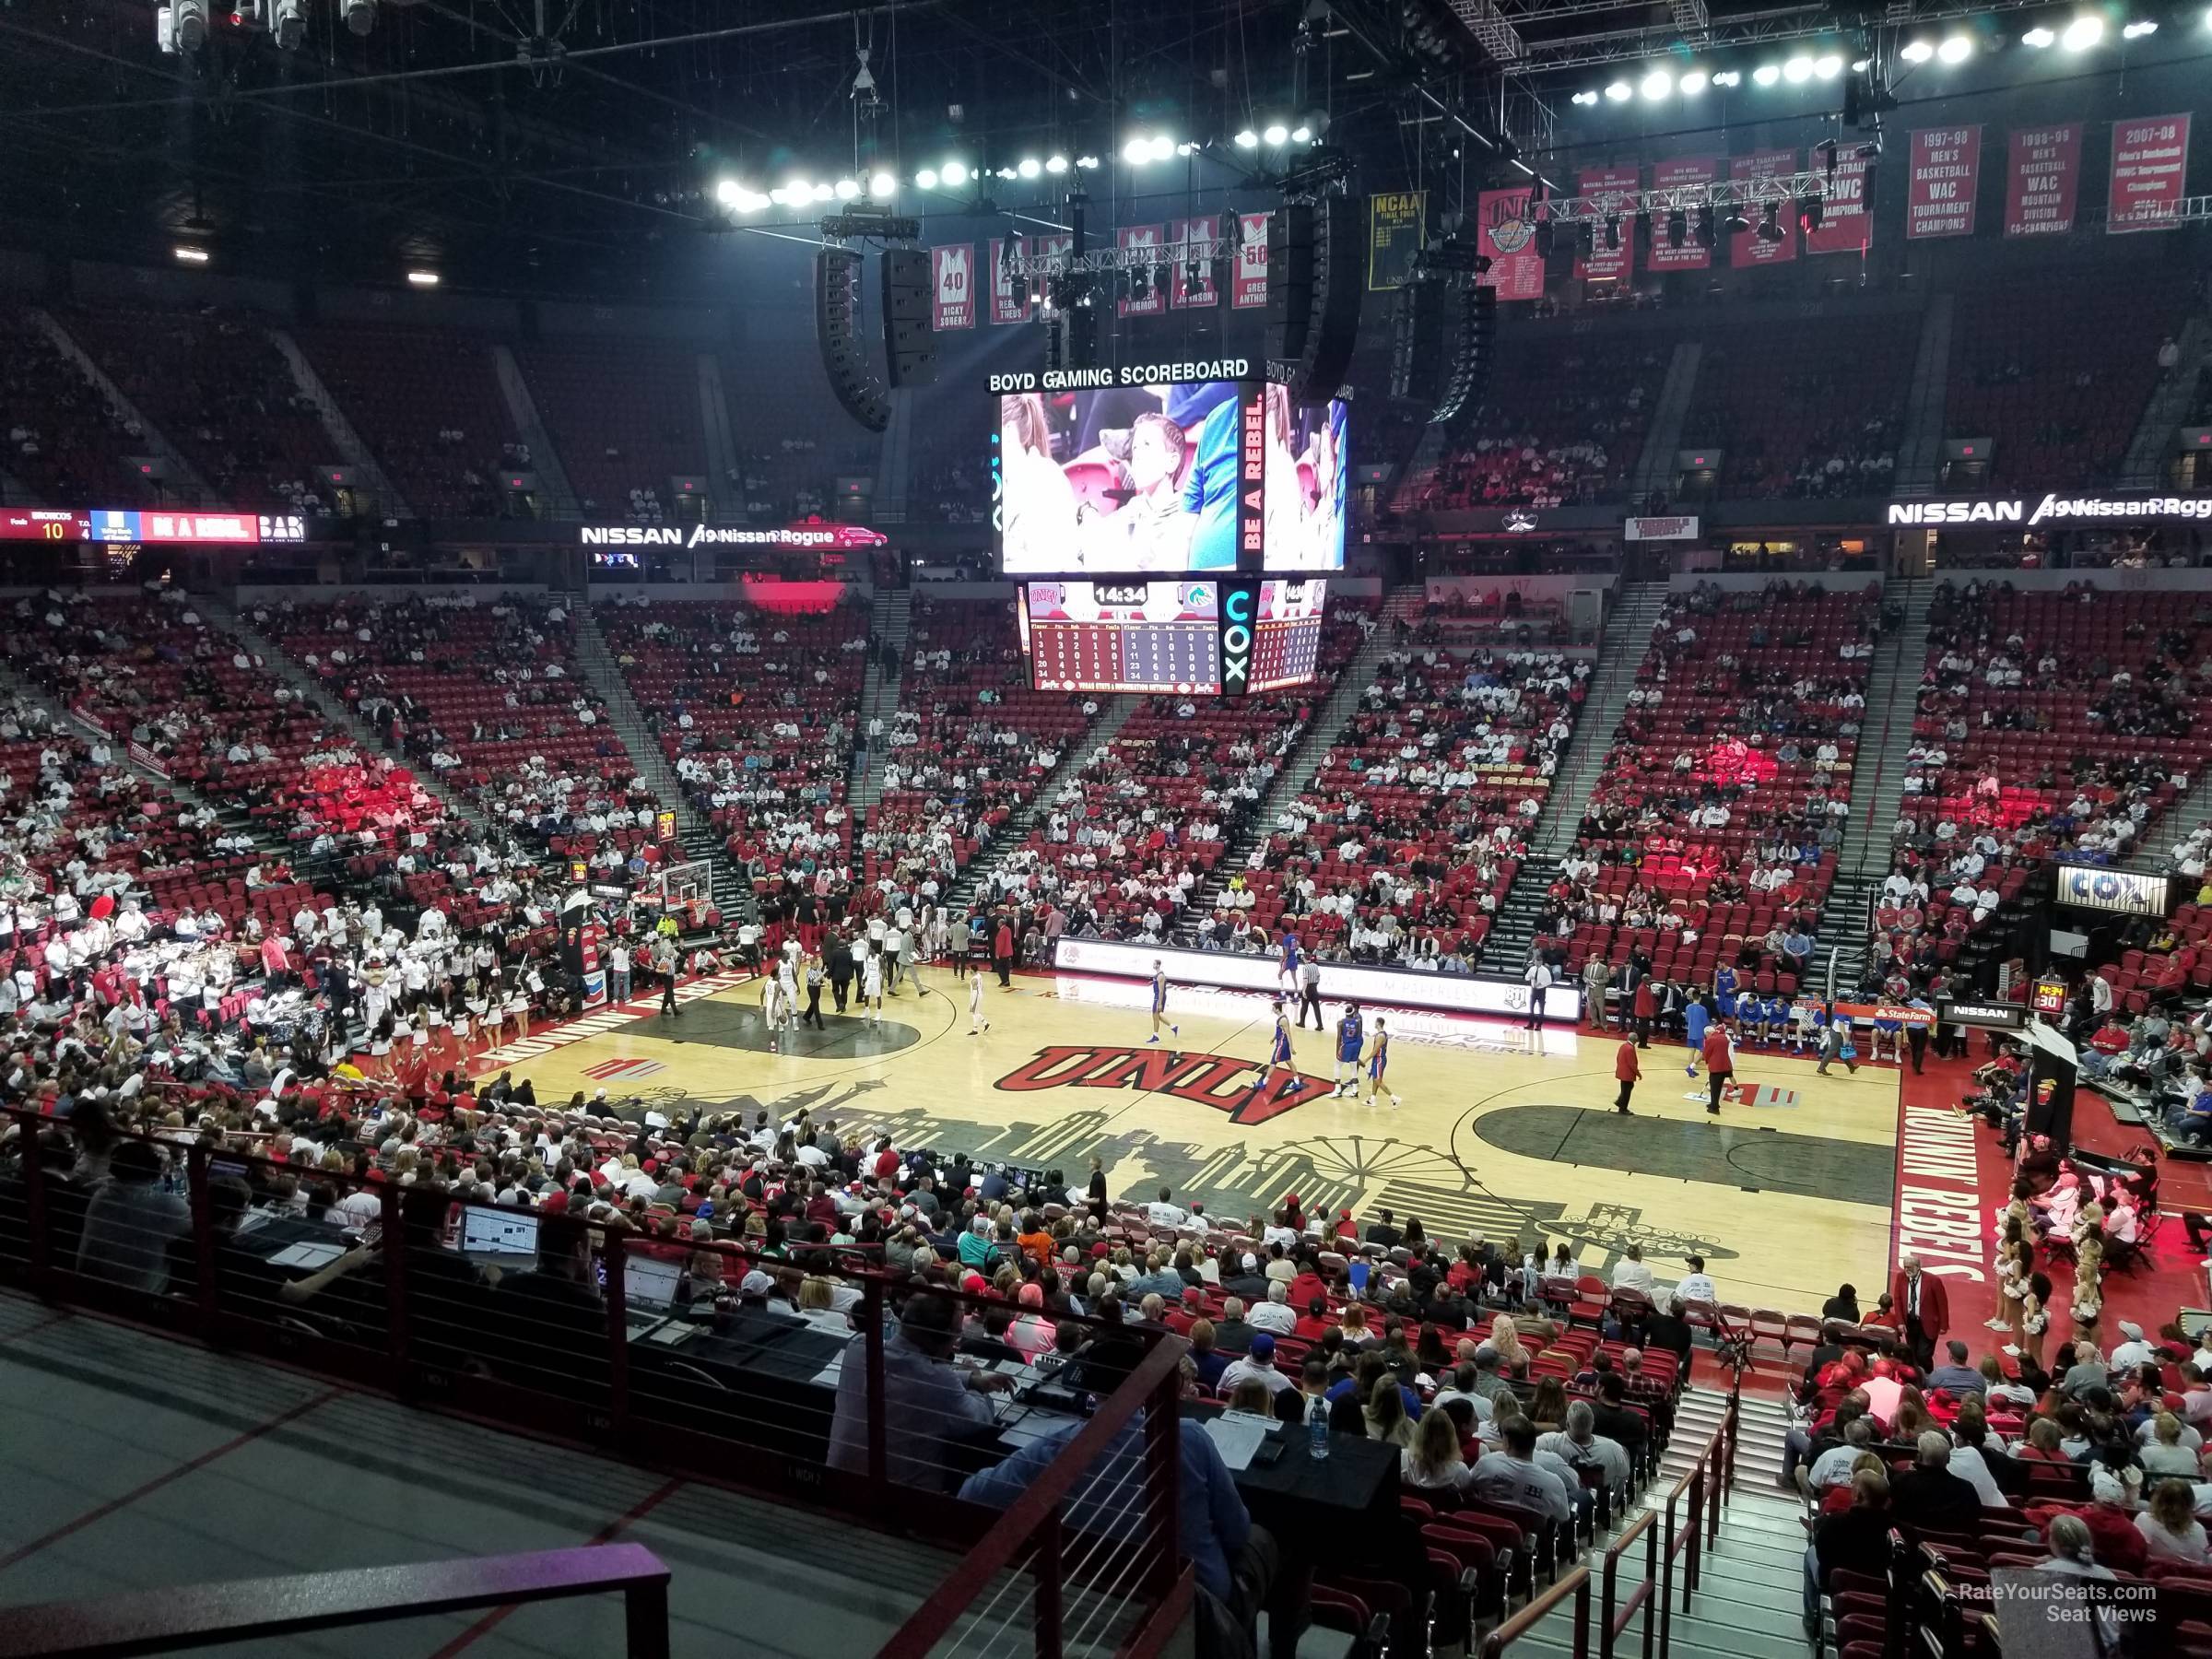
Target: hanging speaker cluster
x=1416, y=342
x=837, y=331
x=910, y=343
x=1472, y=354
x=1315, y=288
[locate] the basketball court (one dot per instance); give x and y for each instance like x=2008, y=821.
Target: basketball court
x=1502, y=1133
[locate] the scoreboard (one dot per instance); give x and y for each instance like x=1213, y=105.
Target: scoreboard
x=1125, y=636
x=1168, y=636
x=132, y=525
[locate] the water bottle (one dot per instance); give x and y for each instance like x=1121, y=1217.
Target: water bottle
x=1317, y=1429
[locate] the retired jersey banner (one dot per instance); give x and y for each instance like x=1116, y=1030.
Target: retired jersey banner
x=1940, y=187
x=1610, y=188
x=1509, y=238
x=1845, y=225
x=1009, y=302
x=1745, y=248
x=952, y=285
x=1690, y=257
x=1184, y=293
x=1155, y=301
x=1248, y=276
x=2041, y=177
x=1396, y=231
x=2150, y=173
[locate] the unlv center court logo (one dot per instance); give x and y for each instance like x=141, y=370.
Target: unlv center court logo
x=1247, y=1091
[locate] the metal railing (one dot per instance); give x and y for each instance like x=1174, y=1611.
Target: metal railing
x=642, y=1342
x=1576, y=1584
x=190, y=1616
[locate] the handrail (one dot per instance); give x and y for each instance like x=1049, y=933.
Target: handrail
x=156, y=1621
x=1707, y=1482
x=1038, y=1506
x=1612, y=1623
x=1577, y=1584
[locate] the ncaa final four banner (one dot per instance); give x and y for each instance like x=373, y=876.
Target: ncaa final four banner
x=1945, y=174
x=952, y=285
x=1248, y=276
x=1679, y=175
x=1183, y=294
x=1745, y=247
x=1154, y=302
x=1610, y=187
x=1396, y=228
x=1509, y=238
x=1010, y=303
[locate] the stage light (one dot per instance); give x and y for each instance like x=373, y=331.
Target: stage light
x=188, y=255
x=1162, y=147
x=1729, y=77
x=1584, y=98
x=1086, y=161
x=797, y=191
x=1029, y=167
x=954, y=173
x=825, y=192
x=926, y=179
x=1858, y=65
x=1766, y=74
x=1916, y=52
x=1705, y=226
x=1248, y=139
x=1277, y=133
x=1612, y=231
x=1692, y=83
x=2138, y=28
x=1955, y=49
x=1056, y=165
x=1301, y=134
x=360, y=16
x=2083, y=34
x=848, y=190
x=1006, y=173
x=1657, y=85
x=1678, y=228
x=1137, y=152
x=1769, y=223
x=422, y=279
x=291, y=24
x=1797, y=69
x=189, y=25
x=1621, y=92
x=1828, y=65
x=728, y=190
x=1735, y=224
x=1182, y=149
x=2038, y=37
x=882, y=187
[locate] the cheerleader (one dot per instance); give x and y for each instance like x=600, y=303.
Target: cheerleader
x=2035, y=1319
x=376, y=993
x=515, y=1004
x=474, y=1008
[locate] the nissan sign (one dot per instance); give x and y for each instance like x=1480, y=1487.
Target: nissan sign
x=2051, y=507
x=838, y=537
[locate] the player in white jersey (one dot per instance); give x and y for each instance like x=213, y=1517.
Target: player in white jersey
x=977, y=1020
x=787, y=994
x=871, y=985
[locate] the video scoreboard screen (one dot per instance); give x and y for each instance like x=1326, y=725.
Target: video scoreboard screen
x=132, y=525
x=1195, y=637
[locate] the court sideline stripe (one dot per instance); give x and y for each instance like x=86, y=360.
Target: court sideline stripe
x=606, y=1535
x=190, y=1466
x=37, y=1326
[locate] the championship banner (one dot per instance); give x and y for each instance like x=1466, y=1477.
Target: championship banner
x=1397, y=231
x=1008, y=303
x=2040, y=177
x=1248, y=278
x=1940, y=187
x=1845, y=225
x=1690, y=257
x=1182, y=294
x=1609, y=187
x=1154, y=303
x=1745, y=247
x=1509, y=238
x=2150, y=173
x=952, y=285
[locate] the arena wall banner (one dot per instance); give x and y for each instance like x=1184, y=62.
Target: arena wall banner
x=1942, y=183
x=1183, y=294
x=1674, y=527
x=1008, y=304
x=1154, y=303
x=1396, y=231
x=1248, y=280
x=2150, y=173
x=1690, y=257
x=2042, y=176
x=1509, y=238
x=1400, y=987
x=1745, y=247
x=2099, y=887
x=1845, y=225
x=952, y=285
x=1607, y=186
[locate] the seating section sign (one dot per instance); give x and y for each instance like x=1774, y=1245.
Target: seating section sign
x=1940, y=189
x=2150, y=173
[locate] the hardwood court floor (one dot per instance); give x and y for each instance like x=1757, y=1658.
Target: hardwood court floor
x=1496, y=1136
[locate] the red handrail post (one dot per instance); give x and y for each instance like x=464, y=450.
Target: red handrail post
x=618, y=1335
x=645, y=1619
x=1163, y=1466
x=1051, y=1604
x=1696, y=1528
x=1651, y=1581
x=872, y=1330
x=203, y=1236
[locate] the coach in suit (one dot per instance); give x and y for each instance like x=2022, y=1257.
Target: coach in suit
x=1924, y=1309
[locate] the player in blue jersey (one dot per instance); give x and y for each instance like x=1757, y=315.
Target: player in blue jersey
x=1378, y=1062
x=1159, y=1003
x=1351, y=1038
x=1696, y=1016
x=1287, y=966
x=1278, y=1053
x=1724, y=995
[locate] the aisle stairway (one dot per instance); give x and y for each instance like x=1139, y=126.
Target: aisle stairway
x=1627, y=635
x=1114, y=714
x=891, y=629
x=1749, y=1599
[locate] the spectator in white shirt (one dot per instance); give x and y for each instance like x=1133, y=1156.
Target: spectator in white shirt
x=1696, y=1285
x=1630, y=1274
x=1275, y=1315
x=1163, y=1212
